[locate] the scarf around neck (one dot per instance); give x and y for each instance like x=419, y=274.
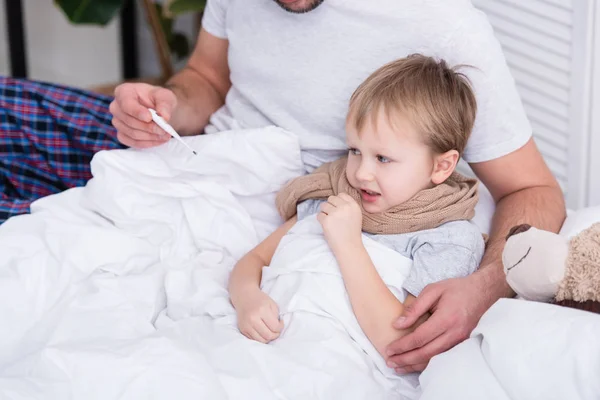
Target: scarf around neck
x=452, y=200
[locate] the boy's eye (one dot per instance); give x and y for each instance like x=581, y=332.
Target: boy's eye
x=383, y=159
x=353, y=151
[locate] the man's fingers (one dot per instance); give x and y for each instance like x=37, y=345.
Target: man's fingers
x=138, y=136
x=422, y=304
x=411, y=368
x=129, y=103
x=135, y=99
x=133, y=120
x=423, y=335
x=136, y=144
x=422, y=355
x=138, y=125
x=164, y=102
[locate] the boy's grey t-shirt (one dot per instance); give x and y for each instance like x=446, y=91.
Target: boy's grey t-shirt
x=451, y=250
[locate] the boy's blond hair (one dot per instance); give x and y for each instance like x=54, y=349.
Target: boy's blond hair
x=437, y=99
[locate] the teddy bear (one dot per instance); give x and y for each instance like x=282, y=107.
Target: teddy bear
x=549, y=267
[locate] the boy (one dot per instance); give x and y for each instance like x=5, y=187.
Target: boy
x=407, y=126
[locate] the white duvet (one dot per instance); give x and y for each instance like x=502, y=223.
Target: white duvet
x=118, y=291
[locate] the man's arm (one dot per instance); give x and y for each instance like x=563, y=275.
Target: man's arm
x=525, y=192
x=195, y=93
x=201, y=86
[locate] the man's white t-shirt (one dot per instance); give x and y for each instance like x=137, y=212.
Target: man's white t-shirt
x=298, y=71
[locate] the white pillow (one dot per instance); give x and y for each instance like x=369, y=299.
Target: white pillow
x=530, y=350
x=579, y=220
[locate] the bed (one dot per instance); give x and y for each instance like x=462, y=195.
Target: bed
x=117, y=290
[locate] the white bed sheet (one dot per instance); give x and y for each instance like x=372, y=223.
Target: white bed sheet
x=118, y=290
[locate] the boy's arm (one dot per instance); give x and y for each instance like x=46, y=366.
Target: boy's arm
x=451, y=251
x=247, y=272
x=375, y=306
x=525, y=192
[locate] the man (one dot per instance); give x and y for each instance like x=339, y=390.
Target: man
x=295, y=63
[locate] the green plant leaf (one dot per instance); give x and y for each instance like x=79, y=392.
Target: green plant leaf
x=184, y=6
x=95, y=12
x=179, y=45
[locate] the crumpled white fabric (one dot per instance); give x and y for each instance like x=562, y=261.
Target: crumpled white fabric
x=118, y=290
x=521, y=350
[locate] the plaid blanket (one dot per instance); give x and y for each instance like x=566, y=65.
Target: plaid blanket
x=48, y=135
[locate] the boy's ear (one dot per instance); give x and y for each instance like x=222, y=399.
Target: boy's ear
x=443, y=166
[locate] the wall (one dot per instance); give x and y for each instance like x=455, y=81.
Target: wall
x=594, y=149
x=548, y=47
x=4, y=62
x=63, y=53
x=81, y=55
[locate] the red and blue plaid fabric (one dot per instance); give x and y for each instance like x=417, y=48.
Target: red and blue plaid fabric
x=48, y=135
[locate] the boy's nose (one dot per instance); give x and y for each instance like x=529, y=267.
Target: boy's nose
x=364, y=173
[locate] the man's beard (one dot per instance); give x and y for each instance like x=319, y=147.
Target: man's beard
x=311, y=6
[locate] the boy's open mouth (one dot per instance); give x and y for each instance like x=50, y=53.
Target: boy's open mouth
x=369, y=196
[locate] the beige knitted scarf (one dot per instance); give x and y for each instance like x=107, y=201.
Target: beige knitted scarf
x=453, y=200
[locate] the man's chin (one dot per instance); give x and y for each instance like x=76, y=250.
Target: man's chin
x=299, y=6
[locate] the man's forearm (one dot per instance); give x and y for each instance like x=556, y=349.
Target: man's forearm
x=197, y=99
x=542, y=207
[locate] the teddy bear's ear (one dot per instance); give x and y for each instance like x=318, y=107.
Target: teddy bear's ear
x=515, y=230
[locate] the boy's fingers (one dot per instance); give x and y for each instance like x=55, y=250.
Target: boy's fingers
x=255, y=335
x=335, y=200
x=327, y=208
x=272, y=322
x=266, y=334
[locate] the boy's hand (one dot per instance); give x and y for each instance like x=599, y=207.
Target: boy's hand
x=258, y=317
x=341, y=219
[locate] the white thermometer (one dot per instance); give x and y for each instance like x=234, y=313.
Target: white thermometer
x=168, y=128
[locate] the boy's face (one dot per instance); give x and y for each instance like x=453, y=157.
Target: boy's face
x=387, y=163
x=299, y=6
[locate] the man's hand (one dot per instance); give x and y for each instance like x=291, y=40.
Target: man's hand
x=456, y=305
x=132, y=119
x=341, y=219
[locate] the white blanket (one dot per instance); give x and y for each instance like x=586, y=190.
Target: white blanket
x=524, y=350
x=118, y=290
x=521, y=350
